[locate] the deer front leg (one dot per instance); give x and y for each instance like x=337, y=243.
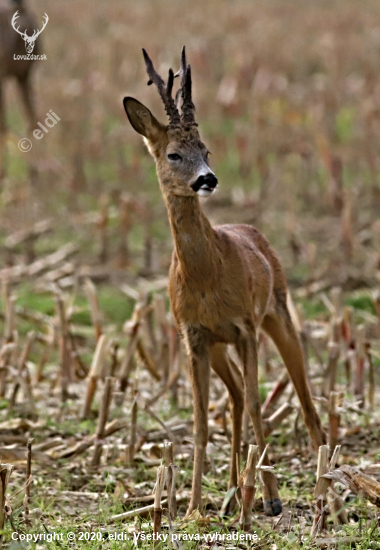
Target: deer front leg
x=230, y=374
x=200, y=378
x=247, y=351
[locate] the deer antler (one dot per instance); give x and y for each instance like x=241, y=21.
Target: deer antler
x=187, y=103
x=164, y=91
x=14, y=18
x=24, y=34
x=37, y=33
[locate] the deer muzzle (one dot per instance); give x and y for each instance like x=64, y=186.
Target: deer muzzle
x=205, y=185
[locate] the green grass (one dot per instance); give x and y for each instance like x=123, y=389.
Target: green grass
x=116, y=307
x=345, y=120
x=41, y=302
x=313, y=308
x=362, y=301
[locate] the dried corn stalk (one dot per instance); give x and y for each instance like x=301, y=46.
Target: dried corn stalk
x=357, y=481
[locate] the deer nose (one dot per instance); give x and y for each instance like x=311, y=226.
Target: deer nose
x=207, y=182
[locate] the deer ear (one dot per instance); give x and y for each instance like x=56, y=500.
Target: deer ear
x=142, y=119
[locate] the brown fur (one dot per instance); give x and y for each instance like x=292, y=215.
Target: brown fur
x=224, y=282
x=12, y=44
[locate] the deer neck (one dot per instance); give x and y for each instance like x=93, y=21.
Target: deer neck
x=194, y=239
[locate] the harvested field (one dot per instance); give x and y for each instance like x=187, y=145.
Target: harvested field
x=95, y=397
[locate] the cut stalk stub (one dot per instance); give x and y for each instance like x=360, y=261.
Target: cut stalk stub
x=157, y=511
x=249, y=488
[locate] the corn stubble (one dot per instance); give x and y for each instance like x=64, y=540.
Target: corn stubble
x=288, y=99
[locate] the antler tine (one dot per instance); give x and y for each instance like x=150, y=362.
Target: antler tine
x=169, y=86
x=14, y=19
x=164, y=91
x=44, y=23
x=187, y=103
x=183, y=66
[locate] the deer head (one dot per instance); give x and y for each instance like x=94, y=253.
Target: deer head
x=29, y=40
x=180, y=155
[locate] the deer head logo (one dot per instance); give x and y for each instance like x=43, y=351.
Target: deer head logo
x=29, y=40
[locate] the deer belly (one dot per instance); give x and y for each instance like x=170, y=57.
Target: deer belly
x=216, y=316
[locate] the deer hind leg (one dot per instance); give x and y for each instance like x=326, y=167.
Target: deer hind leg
x=25, y=86
x=199, y=370
x=2, y=132
x=247, y=350
x=280, y=328
x=28, y=99
x=230, y=374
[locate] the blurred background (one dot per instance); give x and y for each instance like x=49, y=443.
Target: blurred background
x=287, y=96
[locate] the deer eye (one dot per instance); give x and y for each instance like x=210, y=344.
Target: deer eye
x=174, y=156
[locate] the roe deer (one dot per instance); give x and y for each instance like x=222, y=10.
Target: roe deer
x=12, y=43
x=224, y=282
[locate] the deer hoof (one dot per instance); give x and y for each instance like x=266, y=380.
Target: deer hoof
x=273, y=507
x=193, y=511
